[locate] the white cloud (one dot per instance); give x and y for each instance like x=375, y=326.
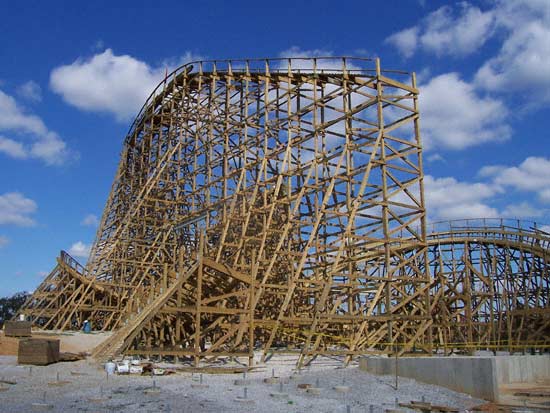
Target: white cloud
x=13, y=148
x=51, y=149
x=323, y=64
x=423, y=75
x=90, y=220
x=109, y=83
x=447, y=31
x=544, y=195
x=328, y=62
x=13, y=118
x=522, y=29
x=435, y=158
x=455, y=116
x=296, y=51
x=80, y=250
x=42, y=143
x=533, y=174
x=405, y=41
x=447, y=198
x=30, y=91
x=3, y=241
x=522, y=65
x=16, y=209
x=521, y=210
x=490, y=170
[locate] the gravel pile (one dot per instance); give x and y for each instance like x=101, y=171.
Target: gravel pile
x=87, y=389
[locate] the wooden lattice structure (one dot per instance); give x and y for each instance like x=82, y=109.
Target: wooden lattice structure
x=268, y=204
x=491, y=283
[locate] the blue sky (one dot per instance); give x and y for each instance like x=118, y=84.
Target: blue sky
x=73, y=75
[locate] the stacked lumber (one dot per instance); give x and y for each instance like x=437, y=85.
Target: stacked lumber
x=37, y=351
x=428, y=407
x=9, y=346
x=17, y=328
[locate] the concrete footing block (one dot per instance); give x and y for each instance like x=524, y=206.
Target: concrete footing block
x=42, y=406
x=277, y=380
x=98, y=399
x=342, y=389
x=271, y=380
x=153, y=391
x=243, y=400
x=241, y=382
x=199, y=385
x=59, y=383
x=278, y=395
x=316, y=391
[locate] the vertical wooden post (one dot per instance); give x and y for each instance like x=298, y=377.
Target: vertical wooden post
x=198, y=302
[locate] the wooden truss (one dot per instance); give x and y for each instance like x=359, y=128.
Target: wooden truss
x=269, y=204
x=492, y=281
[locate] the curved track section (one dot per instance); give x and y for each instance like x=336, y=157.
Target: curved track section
x=492, y=283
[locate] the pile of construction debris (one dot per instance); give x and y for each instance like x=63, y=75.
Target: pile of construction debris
x=135, y=366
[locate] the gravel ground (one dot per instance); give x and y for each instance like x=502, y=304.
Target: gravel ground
x=92, y=391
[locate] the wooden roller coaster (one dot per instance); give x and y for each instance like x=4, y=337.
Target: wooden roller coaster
x=279, y=204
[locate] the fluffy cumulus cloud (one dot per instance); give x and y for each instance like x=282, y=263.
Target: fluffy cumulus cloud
x=90, y=220
x=14, y=118
x=30, y=91
x=16, y=209
x=523, y=61
x=521, y=29
x=34, y=139
x=13, y=148
x=457, y=112
x=533, y=174
x=522, y=210
x=455, y=116
x=459, y=30
x=110, y=83
x=405, y=41
x=447, y=198
x=80, y=250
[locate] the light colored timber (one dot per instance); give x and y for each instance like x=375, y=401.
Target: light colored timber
x=278, y=204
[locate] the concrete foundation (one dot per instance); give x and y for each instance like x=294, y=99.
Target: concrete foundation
x=522, y=369
x=478, y=376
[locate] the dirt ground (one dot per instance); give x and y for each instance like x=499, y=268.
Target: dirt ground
x=527, y=395
x=70, y=341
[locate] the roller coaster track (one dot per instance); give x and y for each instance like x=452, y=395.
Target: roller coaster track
x=298, y=187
